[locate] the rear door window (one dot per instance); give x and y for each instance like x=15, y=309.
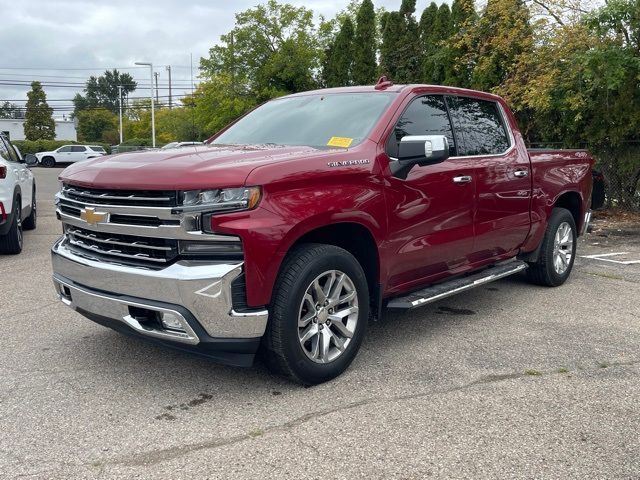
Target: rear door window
x=479, y=126
x=78, y=149
x=425, y=115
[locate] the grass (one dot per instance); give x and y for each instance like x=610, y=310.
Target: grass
x=533, y=373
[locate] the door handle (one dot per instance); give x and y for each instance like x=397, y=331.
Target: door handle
x=521, y=173
x=462, y=179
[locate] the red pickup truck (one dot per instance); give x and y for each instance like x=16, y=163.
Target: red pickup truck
x=291, y=228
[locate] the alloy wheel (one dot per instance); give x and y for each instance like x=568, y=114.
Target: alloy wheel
x=328, y=316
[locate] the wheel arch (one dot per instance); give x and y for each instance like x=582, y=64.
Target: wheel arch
x=359, y=241
x=572, y=201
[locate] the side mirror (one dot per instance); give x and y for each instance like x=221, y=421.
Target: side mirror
x=419, y=150
x=30, y=159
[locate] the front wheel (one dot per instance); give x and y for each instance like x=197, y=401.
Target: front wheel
x=557, y=252
x=319, y=314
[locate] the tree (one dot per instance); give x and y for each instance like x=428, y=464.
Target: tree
x=217, y=102
x=390, y=54
x=39, y=123
x=364, y=46
x=462, y=12
x=271, y=51
x=435, y=29
x=11, y=110
x=495, y=42
x=97, y=124
x=102, y=91
x=337, y=70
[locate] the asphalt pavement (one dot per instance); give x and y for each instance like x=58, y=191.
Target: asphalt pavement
x=506, y=381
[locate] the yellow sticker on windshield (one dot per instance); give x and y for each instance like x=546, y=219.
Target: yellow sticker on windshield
x=340, y=142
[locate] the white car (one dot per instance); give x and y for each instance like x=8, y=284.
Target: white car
x=171, y=145
x=69, y=154
x=17, y=197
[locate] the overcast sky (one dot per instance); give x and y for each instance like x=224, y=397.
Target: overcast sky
x=86, y=37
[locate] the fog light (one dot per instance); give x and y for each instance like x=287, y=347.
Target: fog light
x=171, y=322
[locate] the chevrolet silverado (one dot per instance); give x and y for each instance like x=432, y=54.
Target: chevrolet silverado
x=287, y=231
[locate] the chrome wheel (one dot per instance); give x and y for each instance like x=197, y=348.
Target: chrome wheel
x=562, y=248
x=328, y=316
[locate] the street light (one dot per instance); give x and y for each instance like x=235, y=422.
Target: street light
x=153, y=115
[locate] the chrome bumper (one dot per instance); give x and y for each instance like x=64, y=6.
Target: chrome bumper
x=109, y=290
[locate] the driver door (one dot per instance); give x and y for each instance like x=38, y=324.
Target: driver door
x=431, y=213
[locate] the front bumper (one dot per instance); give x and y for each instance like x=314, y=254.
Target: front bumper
x=196, y=296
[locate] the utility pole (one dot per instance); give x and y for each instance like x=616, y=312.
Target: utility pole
x=153, y=114
x=156, y=74
x=169, y=72
x=120, y=105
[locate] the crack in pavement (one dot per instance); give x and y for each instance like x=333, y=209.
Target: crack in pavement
x=162, y=455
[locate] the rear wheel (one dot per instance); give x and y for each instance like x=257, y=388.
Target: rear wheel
x=557, y=252
x=11, y=242
x=318, y=316
x=49, y=162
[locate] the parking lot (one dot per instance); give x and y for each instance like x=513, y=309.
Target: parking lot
x=509, y=380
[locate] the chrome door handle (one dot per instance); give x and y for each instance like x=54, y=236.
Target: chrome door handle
x=521, y=173
x=462, y=179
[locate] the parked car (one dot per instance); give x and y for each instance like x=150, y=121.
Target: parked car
x=180, y=145
x=17, y=197
x=292, y=227
x=69, y=154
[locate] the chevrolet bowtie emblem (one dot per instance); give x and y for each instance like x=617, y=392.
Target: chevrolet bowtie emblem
x=92, y=217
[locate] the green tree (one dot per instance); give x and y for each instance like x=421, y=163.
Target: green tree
x=501, y=35
x=39, y=124
x=11, y=110
x=462, y=12
x=390, y=49
x=102, y=91
x=271, y=51
x=217, y=103
x=97, y=124
x=337, y=70
x=364, y=54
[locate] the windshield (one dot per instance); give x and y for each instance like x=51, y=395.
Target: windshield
x=170, y=145
x=321, y=120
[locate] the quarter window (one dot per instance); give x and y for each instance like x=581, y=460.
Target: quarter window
x=424, y=116
x=480, y=126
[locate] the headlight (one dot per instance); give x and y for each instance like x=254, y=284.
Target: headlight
x=222, y=200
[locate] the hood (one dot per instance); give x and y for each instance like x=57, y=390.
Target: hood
x=206, y=166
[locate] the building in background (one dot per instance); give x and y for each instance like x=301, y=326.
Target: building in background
x=14, y=129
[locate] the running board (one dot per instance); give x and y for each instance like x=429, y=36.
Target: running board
x=457, y=285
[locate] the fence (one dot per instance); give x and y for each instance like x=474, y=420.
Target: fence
x=621, y=168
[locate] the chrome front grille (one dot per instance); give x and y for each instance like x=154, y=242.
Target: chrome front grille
x=117, y=246
x=137, y=234
x=148, y=198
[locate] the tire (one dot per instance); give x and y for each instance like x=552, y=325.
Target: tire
x=31, y=221
x=48, y=162
x=11, y=242
x=284, y=346
x=553, y=267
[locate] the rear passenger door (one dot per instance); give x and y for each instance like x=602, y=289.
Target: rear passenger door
x=78, y=153
x=502, y=176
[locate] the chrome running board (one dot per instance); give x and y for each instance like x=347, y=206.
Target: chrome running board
x=457, y=285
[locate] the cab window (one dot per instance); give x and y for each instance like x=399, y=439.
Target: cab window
x=426, y=115
x=479, y=126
